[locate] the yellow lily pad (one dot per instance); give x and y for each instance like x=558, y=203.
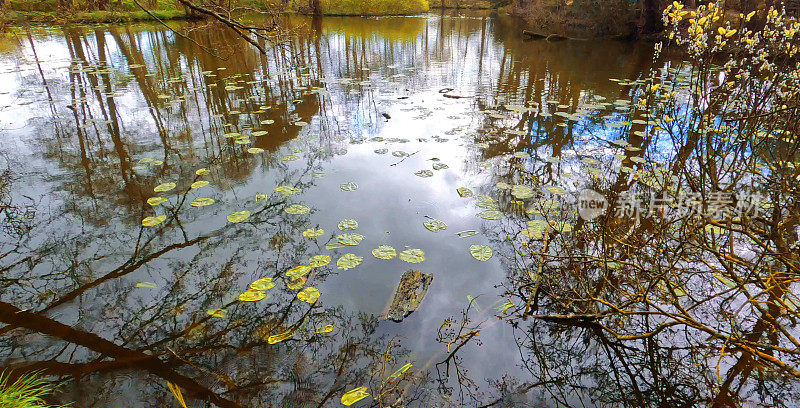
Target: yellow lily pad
x=202, y=202
x=309, y=294
x=312, y=233
x=156, y=200
x=199, y=184
x=262, y=284
x=164, y=187
x=277, y=338
x=297, y=209
x=348, y=224
x=481, y=252
x=252, y=295
x=153, y=221
x=319, y=261
x=238, y=216
x=384, y=252
x=412, y=255
x=350, y=239
x=349, y=261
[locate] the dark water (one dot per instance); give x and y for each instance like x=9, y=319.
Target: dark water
x=94, y=118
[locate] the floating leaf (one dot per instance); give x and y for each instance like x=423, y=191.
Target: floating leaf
x=522, y=192
x=348, y=224
x=252, y=295
x=555, y=190
x=156, y=200
x=298, y=271
x=503, y=185
x=297, y=209
x=384, y=252
x=277, y=338
x=349, y=261
x=490, y=215
x=255, y=150
x=202, y=202
x=481, y=252
x=290, y=157
x=164, y=187
x=267, y=122
x=353, y=396
x=440, y=166
x=217, y=312
x=146, y=285
x=400, y=371
x=412, y=255
x=324, y=329
x=350, y=239
x=153, y=221
x=239, y=216
x=312, y=233
x=287, y=190
x=309, y=294
x=262, y=284
x=319, y=260
x=505, y=306
x=349, y=186
x=435, y=225
x=464, y=192
x=199, y=184
x=467, y=233
x=424, y=173
x=296, y=284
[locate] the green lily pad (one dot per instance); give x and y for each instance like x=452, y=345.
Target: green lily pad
x=297, y=209
x=349, y=261
x=490, y=215
x=412, y=255
x=384, y=252
x=348, y=224
x=349, y=186
x=481, y=252
x=350, y=239
x=435, y=225
x=238, y=216
x=464, y=192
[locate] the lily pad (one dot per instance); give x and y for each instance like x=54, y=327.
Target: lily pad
x=349, y=186
x=202, y=172
x=202, y=202
x=252, y=295
x=199, y=184
x=424, y=173
x=318, y=261
x=309, y=294
x=300, y=270
x=164, y=187
x=156, y=200
x=556, y=190
x=287, y=190
x=481, y=252
x=464, y=192
x=522, y=192
x=297, y=209
x=490, y=214
x=312, y=233
x=350, y=239
x=440, y=166
x=277, y=338
x=348, y=224
x=435, y=225
x=255, y=150
x=238, y=216
x=384, y=252
x=412, y=255
x=153, y=221
x=349, y=261
x=262, y=284
x=467, y=233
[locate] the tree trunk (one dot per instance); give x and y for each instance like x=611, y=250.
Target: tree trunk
x=314, y=7
x=652, y=23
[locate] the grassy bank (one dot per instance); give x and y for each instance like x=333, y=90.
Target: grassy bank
x=348, y=7
x=27, y=391
x=49, y=11
x=460, y=4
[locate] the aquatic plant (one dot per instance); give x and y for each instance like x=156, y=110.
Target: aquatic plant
x=27, y=391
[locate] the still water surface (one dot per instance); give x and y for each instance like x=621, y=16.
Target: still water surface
x=407, y=109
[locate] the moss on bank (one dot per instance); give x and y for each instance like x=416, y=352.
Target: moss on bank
x=373, y=7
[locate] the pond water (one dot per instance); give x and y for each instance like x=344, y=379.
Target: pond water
x=376, y=120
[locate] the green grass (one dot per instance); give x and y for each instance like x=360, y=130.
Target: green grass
x=47, y=11
x=373, y=7
x=28, y=391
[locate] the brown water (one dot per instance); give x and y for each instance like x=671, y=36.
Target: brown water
x=94, y=118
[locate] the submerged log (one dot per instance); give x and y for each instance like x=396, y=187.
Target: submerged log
x=409, y=293
x=536, y=36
